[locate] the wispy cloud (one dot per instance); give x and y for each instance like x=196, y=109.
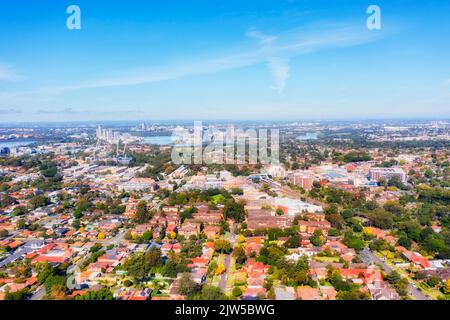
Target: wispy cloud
x=275, y=51
x=62, y=111
x=9, y=111
x=74, y=111
x=279, y=67
x=7, y=73
x=263, y=38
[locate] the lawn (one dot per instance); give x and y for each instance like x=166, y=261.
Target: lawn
x=432, y=292
x=215, y=281
x=232, y=264
x=217, y=199
x=327, y=259
x=240, y=277
x=230, y=282
x=221, y=259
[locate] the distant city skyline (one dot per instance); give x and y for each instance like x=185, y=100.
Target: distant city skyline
x=224, y=60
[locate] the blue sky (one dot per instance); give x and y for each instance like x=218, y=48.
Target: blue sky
x=227, y=60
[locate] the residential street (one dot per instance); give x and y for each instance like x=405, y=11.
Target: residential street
x=370, y=258
x=116, y=240
x=39, y=294
x=224, y=277
x=20, y=252
x=416, y=293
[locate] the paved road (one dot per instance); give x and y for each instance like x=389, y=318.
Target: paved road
x=20, y=252
x=38, y=294
x=117, y=240
x=367, y=256
x=416, y=293
x=224, y=277
x=232, y=234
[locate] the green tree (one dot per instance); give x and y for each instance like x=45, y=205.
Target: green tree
x=147, y=235
x=18, y=295
x=353, y=241
x=3, y=233
x=222, y=246
x=239, y=254
x=21, y=224
x=39, y=201
x=381, y=218
x=293, y=241
x=53, y=281
x=237, y=191
x=6, y=200
x=237, y=292
x=187, y=286
x=212, y=293
x=317, y=239
x=139, y=265
x=102, y=294
x=404, y=242
x=233, y=210
x=433, y=281
x=142, y=213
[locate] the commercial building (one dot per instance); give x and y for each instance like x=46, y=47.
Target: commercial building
x=378, y=174
x=302, y=179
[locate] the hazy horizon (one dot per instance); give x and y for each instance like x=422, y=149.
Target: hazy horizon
x=226, y=121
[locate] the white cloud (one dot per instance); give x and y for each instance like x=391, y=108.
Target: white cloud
x=279, y=67
x=275, y=51
x=68, y=110
x=263, y=39
x=7, y=73
x=10, y=111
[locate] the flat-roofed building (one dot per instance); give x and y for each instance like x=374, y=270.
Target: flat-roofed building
x=378, y=174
